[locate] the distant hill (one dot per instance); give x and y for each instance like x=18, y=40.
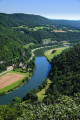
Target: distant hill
x=74, y=23
x=31, y=20
x=23, y=19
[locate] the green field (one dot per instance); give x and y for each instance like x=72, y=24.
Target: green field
x=40, y=28
x=12, y=86
x=41, y=51
x=17, y=84
x=58, y=51
x=41, y=94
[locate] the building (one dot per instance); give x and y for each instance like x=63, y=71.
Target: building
x=10, y=68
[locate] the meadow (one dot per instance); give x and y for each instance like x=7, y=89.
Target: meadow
x=41, y=94
x=54, y=52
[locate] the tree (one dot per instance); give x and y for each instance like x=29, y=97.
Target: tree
x=16, y=100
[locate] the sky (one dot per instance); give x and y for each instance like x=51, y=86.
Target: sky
x=53, y=9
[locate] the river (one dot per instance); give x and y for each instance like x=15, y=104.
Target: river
x=40, y=74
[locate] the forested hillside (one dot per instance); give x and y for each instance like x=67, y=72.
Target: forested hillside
x=65, y=72
x=75, y=23
x=22, y=19
x=18, y=19
x=11, y=47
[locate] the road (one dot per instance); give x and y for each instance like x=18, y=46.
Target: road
x=32, y=51
x=5, y=72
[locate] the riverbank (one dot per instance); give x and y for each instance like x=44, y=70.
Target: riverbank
x=11, y=83
x=54, y=52
x=9, y=88
x=41, y=94
x=49, y=54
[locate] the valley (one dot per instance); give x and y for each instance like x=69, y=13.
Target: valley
x=42, y=57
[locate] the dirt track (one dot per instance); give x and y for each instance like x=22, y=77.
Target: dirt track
x=9, y=78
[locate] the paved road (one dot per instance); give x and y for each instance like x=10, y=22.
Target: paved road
x=32, y=51
x=5, y=72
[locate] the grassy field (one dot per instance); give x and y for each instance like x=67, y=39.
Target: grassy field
x=12, y=86
x=41, y=94
x=58, y=51
x=17, y=84
x=40, y=28
x=41, y=51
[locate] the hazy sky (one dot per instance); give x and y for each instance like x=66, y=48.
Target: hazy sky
x=56, y=9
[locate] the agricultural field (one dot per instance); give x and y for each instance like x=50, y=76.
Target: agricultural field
x=50, y=54
x=13, y=79
x=9, y=79
x=58, y=31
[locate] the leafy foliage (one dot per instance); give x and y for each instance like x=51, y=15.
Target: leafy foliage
x=8, y=112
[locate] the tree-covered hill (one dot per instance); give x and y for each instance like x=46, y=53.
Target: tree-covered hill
x=18, y=19
x=65, y=72
x=10, y=43
x=23, y=19
x=74, y=23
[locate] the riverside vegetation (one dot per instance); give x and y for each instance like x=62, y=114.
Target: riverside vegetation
x=60, y=98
